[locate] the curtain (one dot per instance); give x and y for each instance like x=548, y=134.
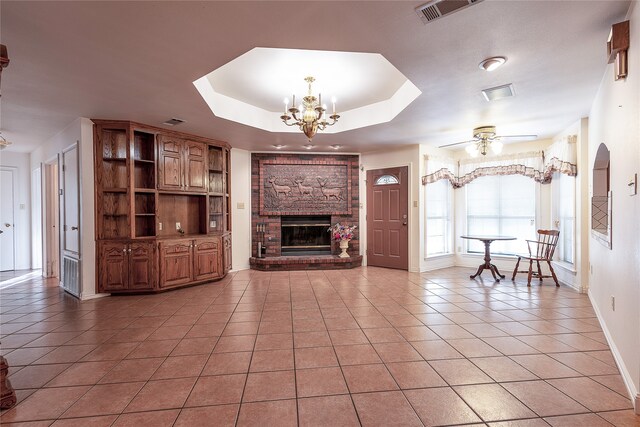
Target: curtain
x=561, y=157
x=440, y=168
x=529, y=164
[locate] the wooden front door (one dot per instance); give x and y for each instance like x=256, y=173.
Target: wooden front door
x=387, y=218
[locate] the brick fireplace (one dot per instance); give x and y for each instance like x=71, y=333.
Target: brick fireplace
x=295, y=186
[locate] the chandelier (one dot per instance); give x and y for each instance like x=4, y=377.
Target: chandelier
x=311, y=115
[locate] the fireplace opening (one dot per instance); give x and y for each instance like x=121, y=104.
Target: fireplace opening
x=305, y=235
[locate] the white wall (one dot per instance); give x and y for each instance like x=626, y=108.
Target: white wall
x=614, y=121
x=80, y=131
x=240, y=218
x=19, y=162
x=405, y=156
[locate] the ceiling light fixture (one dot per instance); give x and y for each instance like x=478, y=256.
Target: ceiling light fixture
x=313, y=117
x=492, y=63
x=485, y=139
x=278, y=146
x=336, y=146
x=3, y=142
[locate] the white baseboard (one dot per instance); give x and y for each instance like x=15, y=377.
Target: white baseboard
x=86, y=297
x=438, y=262
x=626, y=377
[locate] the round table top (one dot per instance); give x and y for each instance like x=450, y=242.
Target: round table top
x=489, y=238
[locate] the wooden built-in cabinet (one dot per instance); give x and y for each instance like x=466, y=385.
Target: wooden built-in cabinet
x=126, y=266
x=162, y=208
x=182, y=165
x=186, y=261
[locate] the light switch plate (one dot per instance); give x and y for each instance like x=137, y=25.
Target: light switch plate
x=160, y=226
x=178, y=226
x=240, y=205
x=633, y=185
x=212, y=224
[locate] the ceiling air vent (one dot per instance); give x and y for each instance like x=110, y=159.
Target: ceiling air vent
x=498, y=92
x=438, y=8
x=173, y=122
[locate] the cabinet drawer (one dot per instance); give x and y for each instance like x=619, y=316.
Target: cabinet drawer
x=172, y=248
x=207, y=245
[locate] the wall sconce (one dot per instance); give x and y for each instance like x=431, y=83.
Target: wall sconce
x=617, y=46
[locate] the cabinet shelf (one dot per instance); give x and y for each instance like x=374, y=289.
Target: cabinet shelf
x=115, y=215
x=114, y=159
x=143, y=161
x=114, y=190
x=145, y=190
x=145, y=214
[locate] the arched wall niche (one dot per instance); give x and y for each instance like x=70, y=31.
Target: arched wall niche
x=601, y=199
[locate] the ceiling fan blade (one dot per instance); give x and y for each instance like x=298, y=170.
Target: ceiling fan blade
x=525, y=137
x=457, y=143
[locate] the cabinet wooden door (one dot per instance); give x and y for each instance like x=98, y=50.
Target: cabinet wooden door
x=206, y=261
x=170, y=163
x=142, y=262
x=176, y=263
x=226, y=251
x=114, y=266
x=195, y=166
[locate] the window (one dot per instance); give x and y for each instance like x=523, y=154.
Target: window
x=563, y=189
x=438, y=196
x=501, y=205
x=386, y=180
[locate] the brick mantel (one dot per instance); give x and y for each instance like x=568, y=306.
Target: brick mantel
x=338, y=173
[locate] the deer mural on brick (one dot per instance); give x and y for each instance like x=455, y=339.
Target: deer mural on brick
x=284, y=189
x=303, y=188
x=329, y=192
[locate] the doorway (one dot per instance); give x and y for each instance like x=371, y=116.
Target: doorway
x=7, y=228
x=387, y=218
x=51, y=222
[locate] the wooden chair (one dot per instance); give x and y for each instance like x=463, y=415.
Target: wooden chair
x=539, y=250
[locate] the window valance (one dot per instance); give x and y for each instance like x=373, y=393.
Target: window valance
x=438, y=168
x=560, y=157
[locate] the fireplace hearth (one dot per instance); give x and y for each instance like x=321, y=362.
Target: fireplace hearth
x=304, y=235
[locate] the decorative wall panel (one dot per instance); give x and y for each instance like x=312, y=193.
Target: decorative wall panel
x=298, y=187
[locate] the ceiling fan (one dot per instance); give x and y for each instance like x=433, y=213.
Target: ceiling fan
x=485, y=138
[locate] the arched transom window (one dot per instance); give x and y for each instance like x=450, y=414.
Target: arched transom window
x=387, y=180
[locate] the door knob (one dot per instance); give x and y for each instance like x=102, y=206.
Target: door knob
x=73, y=228
x=1, y=231
x=6, y=224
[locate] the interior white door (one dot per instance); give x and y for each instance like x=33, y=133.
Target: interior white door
x=71, y=199
x=7, y=235
x=51, y=222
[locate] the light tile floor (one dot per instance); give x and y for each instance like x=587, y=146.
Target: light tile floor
x=368, y=346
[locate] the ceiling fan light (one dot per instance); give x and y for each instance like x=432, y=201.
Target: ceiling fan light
x=472, y=150
x=492, y=63
x=496, y=147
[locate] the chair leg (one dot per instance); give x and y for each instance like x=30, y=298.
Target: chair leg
x=539, y=271
x=515, y=270
x=553, y=274
x=530, y=272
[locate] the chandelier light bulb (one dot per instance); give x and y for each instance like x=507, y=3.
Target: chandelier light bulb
x=472, y=150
